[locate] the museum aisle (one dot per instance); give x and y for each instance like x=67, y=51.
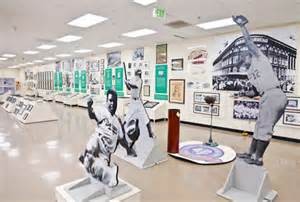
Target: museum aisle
x=37, y=157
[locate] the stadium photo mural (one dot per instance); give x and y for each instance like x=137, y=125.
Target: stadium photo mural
x=278, y=44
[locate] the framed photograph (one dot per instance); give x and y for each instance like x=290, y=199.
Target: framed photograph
x=199, y=97
x=138, y=54
x=293, y=103
x=150, y=104
x=161, y=54
x=177, y=91
x=206, y=109
x=291, y=118
x=245, y=109
x=177, y=64
x=114, y=59
x=146, y=91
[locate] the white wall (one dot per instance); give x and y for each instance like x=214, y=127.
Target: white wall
x=179, y=50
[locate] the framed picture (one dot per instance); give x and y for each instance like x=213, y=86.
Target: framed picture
x=291, y=118
x=293, y=103
x=138, y=54
x=114, y=59
x=161, y=54
x=206, y=109
x=177, y=64
x=150, y=104
x=177, y=91
x=199, y=97
x=146, y=90
x=245, y=109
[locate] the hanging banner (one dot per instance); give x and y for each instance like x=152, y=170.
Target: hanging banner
x=56, y=81
x=76, y=81
x=60, y=81
x=108, y=79
x=83, y=81
x=119, y=81
x=161, y=82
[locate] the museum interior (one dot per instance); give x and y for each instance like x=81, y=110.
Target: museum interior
x=149, y=100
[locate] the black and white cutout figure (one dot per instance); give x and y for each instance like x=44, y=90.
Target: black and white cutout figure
x=136, y=110
x=109, y=132
x=272, y=102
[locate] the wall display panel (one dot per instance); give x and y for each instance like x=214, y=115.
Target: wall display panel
x=291, y=118
x=177, y=91
x=138, y=54
x=161, y=82
x=177, y=64
x=161, y=54
x=114, y=59
x=199, y=97
x=277, y=44
x=245, y=109
x=206, y=109
x=293, y=103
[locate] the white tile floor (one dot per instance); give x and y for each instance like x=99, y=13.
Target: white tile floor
x=35, y=158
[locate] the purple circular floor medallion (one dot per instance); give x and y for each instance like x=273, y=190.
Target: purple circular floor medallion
x=202, y=152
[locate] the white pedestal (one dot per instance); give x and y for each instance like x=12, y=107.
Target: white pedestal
x=83, y=190
x=247, y=183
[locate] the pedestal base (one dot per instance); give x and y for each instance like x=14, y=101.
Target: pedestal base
x=247, y=183
x=83, y=190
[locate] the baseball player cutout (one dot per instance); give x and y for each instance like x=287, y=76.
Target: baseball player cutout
x=272, y=102
x=136, y=108
x=109, y=132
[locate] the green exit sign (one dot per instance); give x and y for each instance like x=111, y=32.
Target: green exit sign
x=159, y=13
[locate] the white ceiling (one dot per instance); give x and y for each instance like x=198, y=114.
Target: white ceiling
x=26, y=24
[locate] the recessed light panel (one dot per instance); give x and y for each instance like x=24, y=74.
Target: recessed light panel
x=3, y=59
x=83, y=51
x=216, y=24
x=49, y=58
x=31, y=52
x=8, y=55
x=139, y=33
x=63, y=55
x=69, y=38
x=46, y=46
x=144, y=2
x=87, y=20
x=38, y=61
x=110, y=45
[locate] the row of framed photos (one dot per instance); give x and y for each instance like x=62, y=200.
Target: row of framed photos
x=201, y=107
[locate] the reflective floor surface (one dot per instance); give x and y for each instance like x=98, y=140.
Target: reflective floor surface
x=35, y=158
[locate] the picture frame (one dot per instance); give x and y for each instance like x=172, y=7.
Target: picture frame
x=114, y=59
x=291, y=118
x=138, y=54
x=146, y=90
x=206, y=109
x=177, y=64
x=245, y=109
x=161, y=54
x=293, y=103
x=177, y=91
x=199, y=97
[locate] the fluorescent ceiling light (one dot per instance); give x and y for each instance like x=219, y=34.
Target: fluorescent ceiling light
x=216, y=24
x=69, y=38
x=139, y=33
x=2, y=59
x=8, y=55
x=110, y=45
x=13, y=67
x=46, y=46
x=144, y=2
x=49, y=58
x=31, y=52
x=83, y=51
x=63, y=55
x=87, y=20
x=38, y=61
x=29, y=63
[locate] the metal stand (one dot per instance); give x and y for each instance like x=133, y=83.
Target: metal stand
x=210, y=142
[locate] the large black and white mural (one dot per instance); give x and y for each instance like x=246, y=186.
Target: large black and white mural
x=279, y=45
